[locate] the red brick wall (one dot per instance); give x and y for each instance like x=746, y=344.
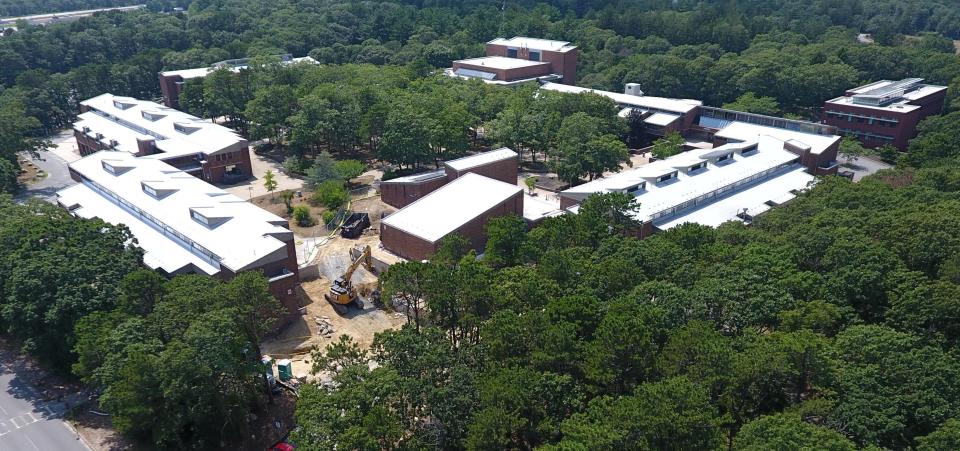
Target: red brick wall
x=414, y=248
x=87, y=145
x=905, y=130
x=400, y=195
x=560, y=63
x=284, y=290
x=216, y=165
x=503, y=170
x=509, y=74
x=404, y=244
x=171, y=90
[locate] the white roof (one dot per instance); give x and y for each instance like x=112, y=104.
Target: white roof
x=418, y=178
x=744, y=131
x=200, y=72
x=480, y=159
x=126, y=124
x=535, y=208
x=534, y=43
x=679, y=106
x=754, y=199
x=443, y=211
x=900, y=106
x=501, y=62
x=661, y=119
x=246, y=236
x=657, y=198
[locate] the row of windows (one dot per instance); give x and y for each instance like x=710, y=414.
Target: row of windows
x=861, y=119
x=768, y=121
x=718, y=192
x=866, y=135
x=156, y=223
x=534, y=55
x=129, y=125
x=224, y=156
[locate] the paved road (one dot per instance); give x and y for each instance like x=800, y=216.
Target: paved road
x=27, y=423
x=862, y=166
x=58, y=177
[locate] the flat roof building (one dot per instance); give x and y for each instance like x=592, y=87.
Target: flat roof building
x=884, y=112
x=172, y=81
x=149, y=130
x=184, y=224
x=458, y=198
x=521, y=60
x=500, y=164
x=462, y=206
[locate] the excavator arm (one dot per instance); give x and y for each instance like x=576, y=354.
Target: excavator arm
x=363, y=259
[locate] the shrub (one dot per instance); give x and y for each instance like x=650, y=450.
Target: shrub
x=330, y=194
x=328, y=216
x=295, y=165
x=301, y=214
x=323, y=169
x=348, y=169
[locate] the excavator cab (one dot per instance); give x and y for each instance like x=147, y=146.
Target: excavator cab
x=342, y=293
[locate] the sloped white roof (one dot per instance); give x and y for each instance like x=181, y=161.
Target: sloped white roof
x=744, y=131
x=678, y=106
x=443, y=211
x=753, y=199
x=481, y=159
x=242, y=236
x=656, y=198
x=125, y=125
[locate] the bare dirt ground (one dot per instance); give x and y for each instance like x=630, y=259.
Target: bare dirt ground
x=29, y=173
x=303, y=335
x=274, y=204
x=299, y=338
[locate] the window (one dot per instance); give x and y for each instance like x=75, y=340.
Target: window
x=199, y=217
x=725, y=157
x=147, y=189
x=511, y=53
x=534, y=56
x=666, y=176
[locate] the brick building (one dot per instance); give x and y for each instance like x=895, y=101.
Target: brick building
x=500, y=164
x=184, y=224
x=816, y=144
x=463, y=206
x=172, y=81
x=884, y=112
x=521, y=60
x=148, y=130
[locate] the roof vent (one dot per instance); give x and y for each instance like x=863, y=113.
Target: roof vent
x=633, y=89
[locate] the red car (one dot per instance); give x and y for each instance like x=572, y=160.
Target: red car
x=282, y=446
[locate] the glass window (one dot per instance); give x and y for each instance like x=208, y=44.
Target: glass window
x=511, y=53
x=534, y=56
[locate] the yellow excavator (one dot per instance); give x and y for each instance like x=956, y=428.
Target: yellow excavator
x=342, y=293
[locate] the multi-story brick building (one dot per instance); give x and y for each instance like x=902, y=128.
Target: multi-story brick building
x=884, y=112
x=521, y=60
x=184, y=224
x=148, y=130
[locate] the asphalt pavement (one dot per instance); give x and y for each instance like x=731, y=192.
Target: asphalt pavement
x=27, y=421
x=58, y=177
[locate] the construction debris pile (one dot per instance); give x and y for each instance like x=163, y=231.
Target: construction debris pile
x=324, y=326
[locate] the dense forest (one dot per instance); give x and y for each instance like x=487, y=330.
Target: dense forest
x=831, y=323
